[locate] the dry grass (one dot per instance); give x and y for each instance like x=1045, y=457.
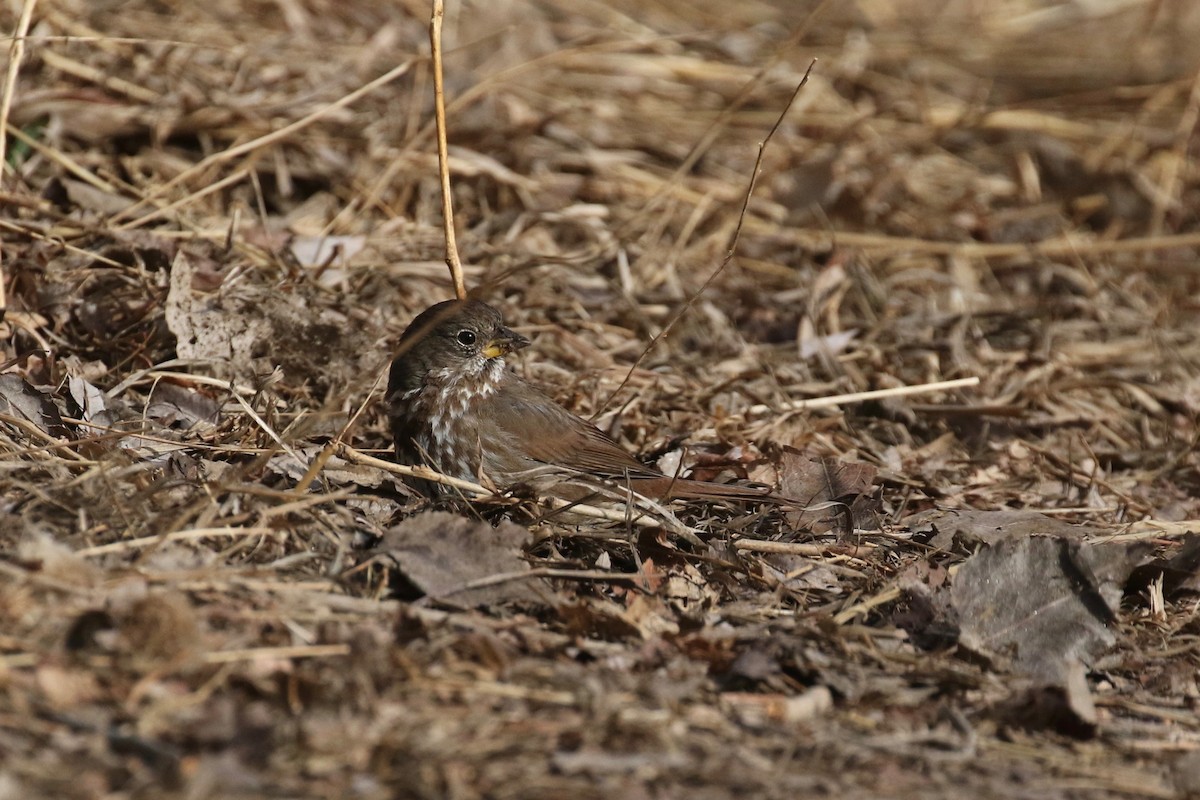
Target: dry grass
x=221, y=215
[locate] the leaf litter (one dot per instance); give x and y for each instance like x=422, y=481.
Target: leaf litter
x=206, y=589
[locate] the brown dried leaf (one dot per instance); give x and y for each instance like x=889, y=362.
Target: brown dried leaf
x=827, y=487
x=642, y=617
x=758, y=710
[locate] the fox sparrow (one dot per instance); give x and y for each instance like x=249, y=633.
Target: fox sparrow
x=454, y=405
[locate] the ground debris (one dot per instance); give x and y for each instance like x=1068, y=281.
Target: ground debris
x=1045, y=602
x=212, y=242
x=461, y=562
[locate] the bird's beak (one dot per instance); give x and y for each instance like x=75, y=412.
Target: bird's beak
x=504, y=342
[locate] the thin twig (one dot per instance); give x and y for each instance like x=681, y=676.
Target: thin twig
x=859, y=609
x=421, y=473
x=176, y=536
x=439, y=106
x=1169, y=187
x=426, y=474
x=1070, y=244
x=274, y=653
x=331, y=448
x=216, y=186
x=800, y=548
x=733, y=241
x=99, y=77
x=266, y=428
x=16, y=52
x=62, y=159
x=861, y=397
x=160, y=370
x=599, y=575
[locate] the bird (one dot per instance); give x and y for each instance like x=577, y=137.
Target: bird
x=454, y=405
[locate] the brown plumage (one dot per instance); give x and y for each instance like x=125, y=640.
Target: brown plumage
x=454, y=405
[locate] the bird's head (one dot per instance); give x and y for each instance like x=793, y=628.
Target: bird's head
x=452, y=341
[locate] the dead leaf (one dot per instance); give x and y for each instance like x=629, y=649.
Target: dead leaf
x=93, y=406
x=1045, y=601
x=829, y=345
x=828, y=488
x=799, y=574
x=69, y=193
x=245, y=330
x=211, y=328
x=19, y=399
x=600, y=618
x=64, y=687
x=1179, y=573
x=462, y=562
x=337, y=471
x=107, y=413
x=173, y=405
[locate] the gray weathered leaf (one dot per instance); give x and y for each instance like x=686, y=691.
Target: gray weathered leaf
x=460, y=561
x=20, y=399
x=171, y=404
x=1045, y=601
x=90, y=399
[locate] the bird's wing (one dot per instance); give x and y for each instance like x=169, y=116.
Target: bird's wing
x=549, y=434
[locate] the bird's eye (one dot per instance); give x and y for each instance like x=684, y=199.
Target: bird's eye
x=466, y=337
